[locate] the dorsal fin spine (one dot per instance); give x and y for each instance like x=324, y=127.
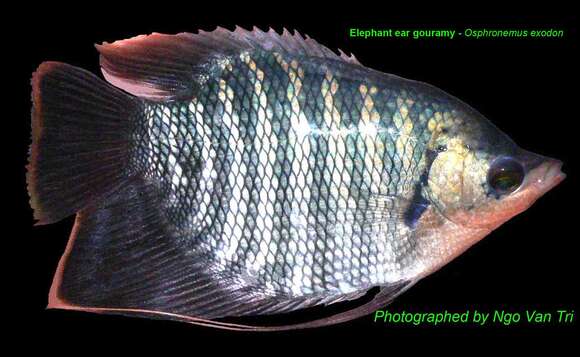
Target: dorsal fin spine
x=164, y=67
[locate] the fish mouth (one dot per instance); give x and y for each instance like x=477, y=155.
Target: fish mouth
x=547, y=175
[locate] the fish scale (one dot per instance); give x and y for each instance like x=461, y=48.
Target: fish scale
x=297, y=175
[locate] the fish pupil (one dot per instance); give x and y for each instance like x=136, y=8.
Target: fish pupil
x=505, y=176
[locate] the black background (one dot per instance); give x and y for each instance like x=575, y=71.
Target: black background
x=526, y=87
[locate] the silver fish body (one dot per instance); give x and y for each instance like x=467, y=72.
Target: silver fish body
x=288, y=170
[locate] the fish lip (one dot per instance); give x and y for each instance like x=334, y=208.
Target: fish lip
x=554, y=172
x=548, y=174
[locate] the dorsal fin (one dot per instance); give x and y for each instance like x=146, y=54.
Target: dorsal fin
x=350, y=59
x=161, y=67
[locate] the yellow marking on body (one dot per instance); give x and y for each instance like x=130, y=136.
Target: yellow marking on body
x=225, y=64
x=408, y=126
x=230, y=96
x=369, y=115
x=333, y=86
x=252, y=65
x=405, y=142
x=222, y=93
x=457, y=145
x=432, y=125
x=447, y=176
x=404, y=110
x=259, y=79
x=369, y=127
x=292, y=76
x=281, y=61
x=369, y=104
x=295, y=74
x=363, y=90
x=436, y=124
x=331, y=115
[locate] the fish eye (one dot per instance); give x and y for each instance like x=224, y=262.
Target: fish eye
x=505, y=175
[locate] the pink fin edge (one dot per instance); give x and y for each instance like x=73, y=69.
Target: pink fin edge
x=134, y=88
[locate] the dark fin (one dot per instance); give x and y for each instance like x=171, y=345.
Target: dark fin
x=123, y=258
x=80, y=137
x=416, y=209
x=161, y=67
x=384, y=297
x=388, y=210
x=350, y=59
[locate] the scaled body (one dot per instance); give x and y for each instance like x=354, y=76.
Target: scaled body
x=286, y=152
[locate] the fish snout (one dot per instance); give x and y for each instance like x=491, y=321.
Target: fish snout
x=546, y=175
x=541, y=172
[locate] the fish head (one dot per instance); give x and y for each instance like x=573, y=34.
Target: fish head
x=479, y=178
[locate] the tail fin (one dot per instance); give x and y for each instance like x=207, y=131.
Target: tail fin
x=81, y=129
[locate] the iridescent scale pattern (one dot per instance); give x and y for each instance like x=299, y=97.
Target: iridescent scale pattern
x=287, y=171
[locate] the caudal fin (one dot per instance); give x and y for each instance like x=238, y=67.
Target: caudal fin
x=81, y=128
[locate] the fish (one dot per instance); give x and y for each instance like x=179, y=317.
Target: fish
x=246, y=173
